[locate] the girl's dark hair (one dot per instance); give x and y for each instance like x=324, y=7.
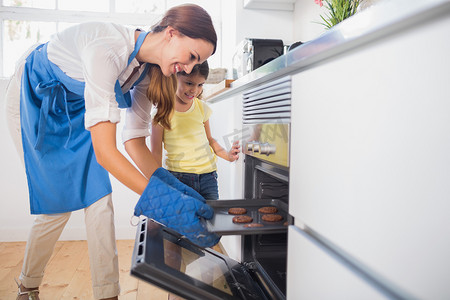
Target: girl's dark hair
x=199, y=69
x=191, y=20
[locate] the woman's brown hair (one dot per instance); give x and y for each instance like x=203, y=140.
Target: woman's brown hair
x=192, y=21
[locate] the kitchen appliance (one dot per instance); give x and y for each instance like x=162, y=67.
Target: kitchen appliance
x=162, y=257
x=253, y=53
x=266, y=121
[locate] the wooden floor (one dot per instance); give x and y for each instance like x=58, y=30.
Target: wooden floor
x=67, y=275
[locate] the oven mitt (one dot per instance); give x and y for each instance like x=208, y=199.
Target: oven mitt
x=171, y=180
x=167, y=205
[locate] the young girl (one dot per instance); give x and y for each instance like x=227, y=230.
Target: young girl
x=70, y=91
x=191, y=150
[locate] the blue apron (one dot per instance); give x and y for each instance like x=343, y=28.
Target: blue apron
x=62, y=172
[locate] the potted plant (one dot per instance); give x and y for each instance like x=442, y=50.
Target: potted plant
x=338, y=10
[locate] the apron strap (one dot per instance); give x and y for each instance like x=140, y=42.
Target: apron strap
x=124, y=100
x=147, y=66
x=50, y=101
x=138, y=45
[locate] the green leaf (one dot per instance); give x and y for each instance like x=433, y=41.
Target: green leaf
x=338, y=10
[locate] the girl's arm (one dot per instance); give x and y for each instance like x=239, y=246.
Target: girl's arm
x=108, y=156
x=231, y=155
x=156, y=142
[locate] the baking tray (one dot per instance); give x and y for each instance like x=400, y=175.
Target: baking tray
x=222, y=222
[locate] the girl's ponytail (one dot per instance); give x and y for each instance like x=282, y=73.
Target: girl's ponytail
x=161, y=92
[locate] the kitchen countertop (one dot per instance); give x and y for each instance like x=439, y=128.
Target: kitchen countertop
x=385, y=18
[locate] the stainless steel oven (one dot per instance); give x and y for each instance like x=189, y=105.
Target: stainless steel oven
x=164, y=258
x=266, y=117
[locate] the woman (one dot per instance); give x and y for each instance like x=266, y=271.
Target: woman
x=70, y=91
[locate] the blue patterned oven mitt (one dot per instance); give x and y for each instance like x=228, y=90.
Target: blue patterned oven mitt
x=177, y=206
x=171, y=180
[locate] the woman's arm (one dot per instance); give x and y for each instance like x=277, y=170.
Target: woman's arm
x=108, y=156
x=231, y=155
x=141, y=155
x=156, y=142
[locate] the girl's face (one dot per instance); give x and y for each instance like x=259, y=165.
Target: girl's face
x=189, y=87
x=182, y=53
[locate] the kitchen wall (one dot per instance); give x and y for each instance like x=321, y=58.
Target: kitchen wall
x=239, y=23
x=306, y=15
x=290, y=26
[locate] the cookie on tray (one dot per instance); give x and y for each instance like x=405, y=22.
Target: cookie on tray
x=268, y=210
x=242, y=219
x=272, y=217
x=237, y=211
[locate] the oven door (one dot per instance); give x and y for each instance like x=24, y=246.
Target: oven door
x=161, y=257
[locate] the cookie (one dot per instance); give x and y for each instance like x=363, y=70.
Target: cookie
x=268, y=210
x=237, y=211
x=251, y=225
x=242, y=219
x=272, y=218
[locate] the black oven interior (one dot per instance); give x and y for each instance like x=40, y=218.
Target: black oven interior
x=266, y=254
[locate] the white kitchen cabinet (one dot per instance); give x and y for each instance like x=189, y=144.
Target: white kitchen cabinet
x=370, y=157
x=313, y=273
x=226, y=127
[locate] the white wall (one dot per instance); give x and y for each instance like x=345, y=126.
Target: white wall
x=15, y=218
x=306, y=14
x=261, y=23
x=239, y=23
x=290, y=26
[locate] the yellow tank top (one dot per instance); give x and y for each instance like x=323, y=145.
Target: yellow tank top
x=187, y=147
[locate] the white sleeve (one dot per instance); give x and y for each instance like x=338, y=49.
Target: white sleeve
x=138, y=118
x=101, y=68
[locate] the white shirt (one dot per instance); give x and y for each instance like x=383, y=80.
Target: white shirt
x=97, y=54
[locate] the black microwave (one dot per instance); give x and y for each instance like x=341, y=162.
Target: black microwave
x=253, y=53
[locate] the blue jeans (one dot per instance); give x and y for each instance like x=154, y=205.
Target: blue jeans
x=205, y=184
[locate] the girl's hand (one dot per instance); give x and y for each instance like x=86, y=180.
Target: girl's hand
x=233, y=154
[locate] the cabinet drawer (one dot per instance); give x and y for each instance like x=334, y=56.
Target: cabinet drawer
x=314, y=274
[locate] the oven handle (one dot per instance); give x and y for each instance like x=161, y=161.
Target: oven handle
x=272, y=173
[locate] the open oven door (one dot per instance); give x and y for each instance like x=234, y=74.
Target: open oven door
x=161, y=257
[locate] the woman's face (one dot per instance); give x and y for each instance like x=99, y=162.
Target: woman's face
x=182, y=53
x=189, y=87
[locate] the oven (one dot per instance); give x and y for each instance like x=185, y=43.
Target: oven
x=266, y=119
x=163, y=258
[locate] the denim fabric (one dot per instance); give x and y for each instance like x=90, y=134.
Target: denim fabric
x=205, y=184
